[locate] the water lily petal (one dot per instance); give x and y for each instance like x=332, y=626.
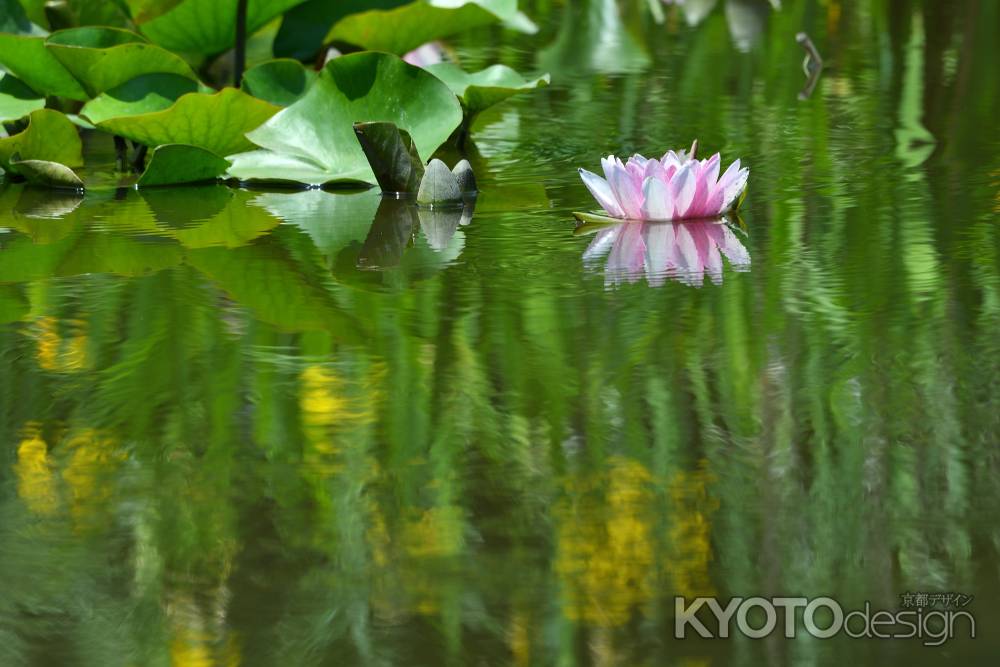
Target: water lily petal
x=657, y=203
x=602, y=193
x=682, y=187
x=627, y=191
x=735, y=189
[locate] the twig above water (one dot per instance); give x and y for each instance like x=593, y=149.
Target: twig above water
x=812, y=65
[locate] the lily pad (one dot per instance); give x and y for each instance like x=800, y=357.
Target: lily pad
x=50, y=136
x=173, y=164
x=102, y=58
x=208, y=27
x=280, y=82
x=405, y=28
x=26, y=57
x=16, y=99
x=144, y=94
x=313, y=141
x=392, y=156
x=48, y=174
x=216, y=123
x=481, y=90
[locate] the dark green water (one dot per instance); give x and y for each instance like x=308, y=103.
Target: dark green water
x=224, y=443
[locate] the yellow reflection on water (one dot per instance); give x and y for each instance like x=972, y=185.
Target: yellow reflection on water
x=35, y=480
x=56, y=353
x=605, y=551
x=690, y=532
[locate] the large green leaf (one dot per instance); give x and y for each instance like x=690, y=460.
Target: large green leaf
x=147, y=10
x=16, y=99
x=144, y=94
x=216, y=123
x=313, y=141
x=305, y=26
x=173, y=164
x=208, y=27
x=103, y=58
x=405, y=28
x=280, y=82
x=50, y=136
x=483, y=89
x=26, y=57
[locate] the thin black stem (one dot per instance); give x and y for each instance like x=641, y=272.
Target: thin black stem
x=121, y=154
x=240, y=53
x=139, y=160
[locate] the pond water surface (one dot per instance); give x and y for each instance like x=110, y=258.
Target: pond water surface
x=244, y=427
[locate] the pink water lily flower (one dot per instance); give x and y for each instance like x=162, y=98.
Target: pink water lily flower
x=682, y=251
x=678, y=186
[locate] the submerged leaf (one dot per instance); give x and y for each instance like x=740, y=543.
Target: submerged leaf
x=402, y=29
x=102, y=58
x=392, y=156
x=173, y=164
x=216, y=123
x=280, y=82
x=313, y=141
x=481, y=90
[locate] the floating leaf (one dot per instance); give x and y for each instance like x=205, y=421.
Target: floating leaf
x=144, y=94
x=208, y=27
x=391, y=155
x=49, y=174
x=439, y=185
x=173, y=164
x=405, y=28
x=50, y=136
x=279, y=82
x=216, y=123
x=102, y=58
x=16, y=99
x=313, y=141
x=26, y=57
x=483, y=89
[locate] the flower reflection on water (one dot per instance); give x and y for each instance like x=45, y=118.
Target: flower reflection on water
x=683, y=251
